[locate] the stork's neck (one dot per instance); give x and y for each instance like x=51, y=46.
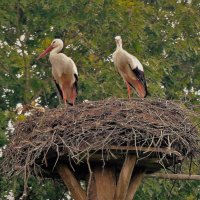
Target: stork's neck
x=56, y=50
x=119, y=44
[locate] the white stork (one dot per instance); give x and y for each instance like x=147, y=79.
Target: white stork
x=130, y=68
x=64, y=71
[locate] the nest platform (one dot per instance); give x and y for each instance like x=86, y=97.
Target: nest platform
x=110, y=144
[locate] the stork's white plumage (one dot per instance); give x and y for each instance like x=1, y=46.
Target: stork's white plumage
x=130, y=68
x=64, y=71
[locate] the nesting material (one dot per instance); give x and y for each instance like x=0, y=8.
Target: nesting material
x=76, y=133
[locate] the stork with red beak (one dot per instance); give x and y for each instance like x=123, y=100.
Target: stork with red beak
x=130, y=68
x=64, y=71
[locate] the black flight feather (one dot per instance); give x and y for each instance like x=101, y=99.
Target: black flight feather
x=58, y=87
x=76, y=82
x=60, y=92
x=140, y=76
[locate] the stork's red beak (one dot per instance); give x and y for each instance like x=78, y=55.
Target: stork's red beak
x=45, y=52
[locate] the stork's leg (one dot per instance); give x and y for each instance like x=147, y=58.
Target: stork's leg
x=65, y=100
x=72, y=100
x=128, y=89
x=73, y=96
x=64, y=96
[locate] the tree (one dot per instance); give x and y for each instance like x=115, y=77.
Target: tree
x=164, y=35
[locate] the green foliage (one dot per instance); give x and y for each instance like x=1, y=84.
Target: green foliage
x=4, y=116
x=40, y=190
x=37, y=190
x=164, y=189
x=3, y=139
x=164, y=35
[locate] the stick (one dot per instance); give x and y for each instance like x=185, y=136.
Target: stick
x=174, y=176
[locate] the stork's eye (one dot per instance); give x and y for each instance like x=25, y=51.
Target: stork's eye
x=54, y=42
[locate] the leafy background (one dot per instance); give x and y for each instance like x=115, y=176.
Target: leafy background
x=164, y=35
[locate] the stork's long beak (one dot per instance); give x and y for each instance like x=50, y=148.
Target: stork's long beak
x=45, y=52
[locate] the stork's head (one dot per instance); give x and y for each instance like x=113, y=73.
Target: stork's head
x=56, y=44
x=118, y=41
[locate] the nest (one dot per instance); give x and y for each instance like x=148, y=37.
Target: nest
x=76, y=133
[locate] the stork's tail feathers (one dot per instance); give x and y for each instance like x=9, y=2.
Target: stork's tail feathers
x=140, y=88
x=140, y=84
x=74, y=91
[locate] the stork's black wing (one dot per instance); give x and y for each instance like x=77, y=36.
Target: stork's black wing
x=76, y=83
x=58, y=87
x=140, y=76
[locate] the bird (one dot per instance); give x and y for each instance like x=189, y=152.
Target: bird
x=64, y=71
x=131, y=70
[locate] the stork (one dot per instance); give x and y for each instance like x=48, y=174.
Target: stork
x=130, y=68
x=64, y=71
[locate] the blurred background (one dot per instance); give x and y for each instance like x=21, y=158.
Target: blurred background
x=164, y=35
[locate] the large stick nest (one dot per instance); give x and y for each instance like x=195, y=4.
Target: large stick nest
x=96, y=126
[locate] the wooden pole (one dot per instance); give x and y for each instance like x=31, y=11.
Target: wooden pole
x=71, y=182
x=105, y=183
x=92, y=190
x=174, y=176
x=125, y=177
x=135, y=183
